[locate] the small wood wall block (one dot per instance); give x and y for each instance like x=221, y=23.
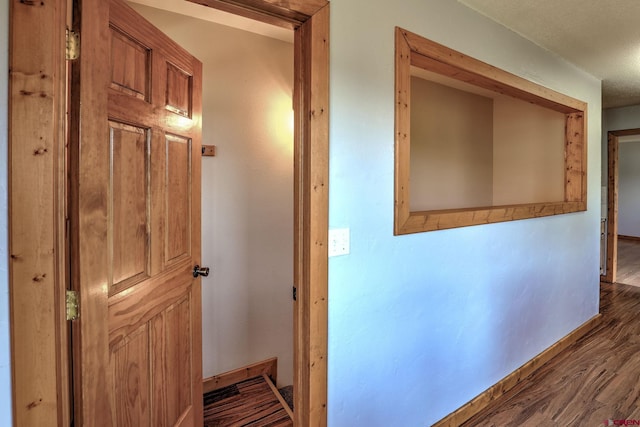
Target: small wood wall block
x=208, y=150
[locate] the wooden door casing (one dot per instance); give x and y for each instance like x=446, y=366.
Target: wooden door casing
x=137, y=216
x=36, y=57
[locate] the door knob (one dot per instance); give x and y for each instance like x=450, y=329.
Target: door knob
x=200, y=271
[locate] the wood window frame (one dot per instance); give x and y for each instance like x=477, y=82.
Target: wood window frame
x=414, y=50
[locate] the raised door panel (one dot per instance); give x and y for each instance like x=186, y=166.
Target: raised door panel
x=131, y=377
x=152, y=370
x=178, y=92
x=178, y=191
x=171, y=361
x=129, y=200
x=130, y=65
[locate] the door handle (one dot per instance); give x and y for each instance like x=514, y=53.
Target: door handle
x=200, y=271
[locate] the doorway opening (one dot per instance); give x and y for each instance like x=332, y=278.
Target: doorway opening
x=45, y=380
x=622, y=247
x=247, y=187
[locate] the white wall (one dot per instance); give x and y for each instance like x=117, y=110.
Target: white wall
x=629, y=189
x=5, y=354
x=470, y=150
x=528, y=160
x=420, y=324
x=629, y=166
x=451, y=147
x=247, y=192
x=616, y=119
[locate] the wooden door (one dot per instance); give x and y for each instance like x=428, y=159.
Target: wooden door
x=136, y=125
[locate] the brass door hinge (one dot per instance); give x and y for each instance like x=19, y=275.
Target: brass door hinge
x=73, y=45
x=72, y=305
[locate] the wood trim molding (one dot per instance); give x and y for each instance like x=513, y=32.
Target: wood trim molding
x=311, y=190
x=612, y=210
x=494, y=392
x=40, y=391
x=275, y=391
x=632, y=238
x=283, y=13
x=37, y=192
x=267, y=367
x=414, y=50
x=311, y=200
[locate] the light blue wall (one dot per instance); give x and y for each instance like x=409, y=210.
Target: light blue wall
x=629, y=189
x=420, y=324
x=617, y=119
x=620, y=118
x=5, y=367
x=628, y=198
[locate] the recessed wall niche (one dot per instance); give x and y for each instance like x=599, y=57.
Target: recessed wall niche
x=475, y=144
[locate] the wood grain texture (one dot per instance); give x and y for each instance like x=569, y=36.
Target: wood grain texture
x=593, y=380
x=140, y=359
x=178, y=202
x=442, y=219
x=612, y=208
x=284, y=13
x=413, y=50
x=402, y=158
x=178, y=91
x=128, y=242
x=624, y=237
x=575, y=189
x=267, y=367
x=37, y=192
x=311, y=173
x=131, y=376
x=130, y=66
x=251, y=403
x=276, y=393
x=496, y=392
x=89, y=231
x=487, y=76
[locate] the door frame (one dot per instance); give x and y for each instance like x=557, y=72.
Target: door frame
x=38, y=276
x=613, y=146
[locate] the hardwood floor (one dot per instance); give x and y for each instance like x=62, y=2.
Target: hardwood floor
x=594, y=380
x=628, y=262
x=254, y=402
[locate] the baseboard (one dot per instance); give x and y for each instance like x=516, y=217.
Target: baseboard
x=277, y=394
x=268, y=367
x=483, y=400
x=624, y=237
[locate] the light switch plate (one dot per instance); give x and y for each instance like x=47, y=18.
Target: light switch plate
x=338, y=241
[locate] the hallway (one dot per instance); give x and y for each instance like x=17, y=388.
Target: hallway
x=594, y=380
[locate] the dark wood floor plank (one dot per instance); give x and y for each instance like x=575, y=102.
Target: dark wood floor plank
x=596, y=379
x=254, y=405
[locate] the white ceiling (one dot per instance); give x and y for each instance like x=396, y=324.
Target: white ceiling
x=214, y=15
x=601, y=37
